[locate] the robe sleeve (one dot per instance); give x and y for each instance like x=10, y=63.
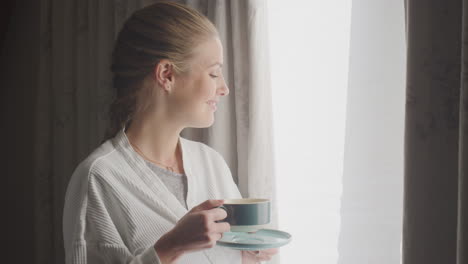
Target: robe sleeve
x=95, y=236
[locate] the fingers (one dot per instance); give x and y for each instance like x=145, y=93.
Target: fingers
x=218, y=214
x=222, y=227
x=214, y=215
x=198, y=229
x=208, y=204
x=209, y=217
x=264, y=254
x=271, y=251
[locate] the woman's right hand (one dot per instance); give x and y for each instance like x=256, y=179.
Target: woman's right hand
x=197, y=230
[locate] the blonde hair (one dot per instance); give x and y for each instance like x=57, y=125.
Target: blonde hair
x=164, y=30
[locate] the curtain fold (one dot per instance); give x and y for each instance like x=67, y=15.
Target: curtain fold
x=435, y=203
x=75, y=88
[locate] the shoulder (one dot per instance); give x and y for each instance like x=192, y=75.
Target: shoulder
x=76, y=197
x=102, y=161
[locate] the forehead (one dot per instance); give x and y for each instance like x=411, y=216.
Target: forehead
x=208, y=52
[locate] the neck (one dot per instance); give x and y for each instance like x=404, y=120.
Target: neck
x=156, y=137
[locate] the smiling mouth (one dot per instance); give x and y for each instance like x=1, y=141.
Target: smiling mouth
x=212, y=104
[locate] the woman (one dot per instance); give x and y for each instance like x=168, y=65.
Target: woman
x=147, y=195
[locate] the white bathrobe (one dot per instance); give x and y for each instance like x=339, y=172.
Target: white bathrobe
x=116, y=208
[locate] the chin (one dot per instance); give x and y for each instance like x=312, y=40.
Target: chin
x=209, y=124
x=203, y=123
x=201, y=119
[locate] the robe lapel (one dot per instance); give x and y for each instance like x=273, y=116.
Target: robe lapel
x=166, y=203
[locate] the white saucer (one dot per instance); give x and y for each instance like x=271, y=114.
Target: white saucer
x=262, y=239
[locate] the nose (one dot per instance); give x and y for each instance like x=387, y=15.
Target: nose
x=223, y=89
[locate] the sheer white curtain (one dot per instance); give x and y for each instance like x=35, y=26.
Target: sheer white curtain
x=309, y=47
x=338, y=94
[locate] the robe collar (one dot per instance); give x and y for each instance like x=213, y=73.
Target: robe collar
x=166, y=201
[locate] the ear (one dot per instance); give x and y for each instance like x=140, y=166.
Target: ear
x=164, y=74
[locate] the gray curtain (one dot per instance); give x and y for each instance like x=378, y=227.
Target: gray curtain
x=435, y=227
x=74, y=90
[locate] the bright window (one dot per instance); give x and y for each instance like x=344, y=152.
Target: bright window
x=309, y=43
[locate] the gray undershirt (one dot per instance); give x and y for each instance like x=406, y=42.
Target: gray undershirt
x=175, y=182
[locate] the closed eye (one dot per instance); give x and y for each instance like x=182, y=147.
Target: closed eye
x=214, y=76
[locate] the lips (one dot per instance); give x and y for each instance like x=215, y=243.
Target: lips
x=213, y=104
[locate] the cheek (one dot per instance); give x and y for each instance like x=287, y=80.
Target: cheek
x=205, y=88
x=196, y=91
x=193, y=96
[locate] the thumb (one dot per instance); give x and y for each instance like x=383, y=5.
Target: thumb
x=208, y=204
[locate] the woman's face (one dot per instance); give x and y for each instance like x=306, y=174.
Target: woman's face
x=198, y=90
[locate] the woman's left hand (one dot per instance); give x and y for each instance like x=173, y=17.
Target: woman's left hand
x=253, y=257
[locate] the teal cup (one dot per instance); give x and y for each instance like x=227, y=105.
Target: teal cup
x=247, y=214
